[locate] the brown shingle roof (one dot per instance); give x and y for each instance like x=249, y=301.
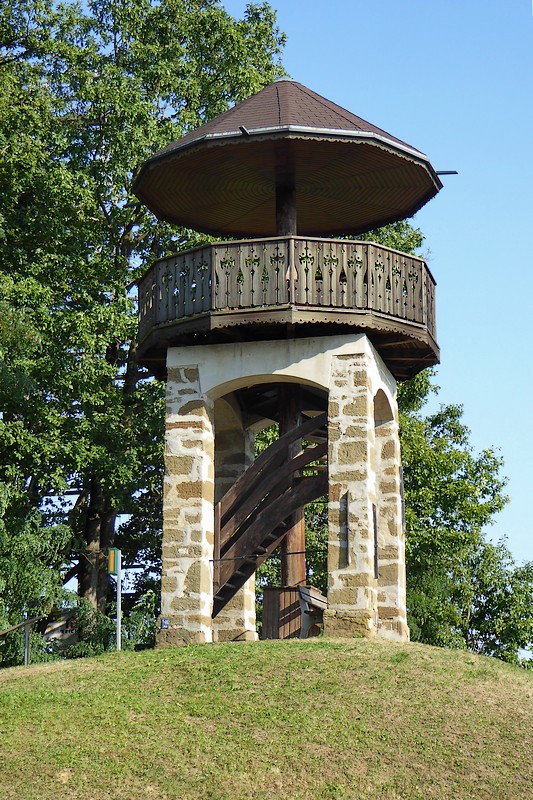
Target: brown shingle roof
x=283, y=104
x=348, y=176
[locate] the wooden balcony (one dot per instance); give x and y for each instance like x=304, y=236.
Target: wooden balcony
x=290, y=286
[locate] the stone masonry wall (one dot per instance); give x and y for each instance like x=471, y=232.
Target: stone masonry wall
x=391, y=543
x=187, y=582
x=234, y=452
x=364, y=484
x=352, y=588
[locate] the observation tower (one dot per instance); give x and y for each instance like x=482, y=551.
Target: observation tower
x=286, y=321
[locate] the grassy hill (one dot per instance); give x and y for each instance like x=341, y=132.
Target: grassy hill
x=316, y=719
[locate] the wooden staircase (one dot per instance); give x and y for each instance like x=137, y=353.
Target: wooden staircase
x=254, y=515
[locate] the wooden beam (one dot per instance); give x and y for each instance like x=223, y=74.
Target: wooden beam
x=277, y=479
x=293, y=564
x=286, y=209
x=270, y=517
x=269, y=459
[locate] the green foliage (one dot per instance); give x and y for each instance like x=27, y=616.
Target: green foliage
x=316, y=543
x=96, y=632
x=139, y=626
x=31, y=554
x=87, y=92
x=497, y=616
x=12, y=649
x=398, y=236
x=462, y=591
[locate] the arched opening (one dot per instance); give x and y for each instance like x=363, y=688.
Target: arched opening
x=260, y=513
x=382, y=409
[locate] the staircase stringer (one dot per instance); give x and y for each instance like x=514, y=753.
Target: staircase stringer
x=254, y=515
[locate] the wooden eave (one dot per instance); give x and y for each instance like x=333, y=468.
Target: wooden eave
x=405, y=347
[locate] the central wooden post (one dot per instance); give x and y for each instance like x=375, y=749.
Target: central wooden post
x=293, y=572
x=286, y=209
x=286, y=222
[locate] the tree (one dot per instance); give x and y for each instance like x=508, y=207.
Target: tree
x=87, y=93
x=34, y=444
x=462, y=590
x=497, y=613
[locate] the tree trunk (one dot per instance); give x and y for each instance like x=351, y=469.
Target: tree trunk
x=99, y=533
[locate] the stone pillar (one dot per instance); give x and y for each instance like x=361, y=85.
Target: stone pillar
x=234, y=452
x=391, y=543
x=352, y=583
x=188, y=516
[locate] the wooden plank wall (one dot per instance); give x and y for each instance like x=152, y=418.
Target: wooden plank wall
x=251, y=274
x=176, y=287
x=281, y=613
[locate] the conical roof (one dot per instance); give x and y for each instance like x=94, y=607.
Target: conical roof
x=348, y=175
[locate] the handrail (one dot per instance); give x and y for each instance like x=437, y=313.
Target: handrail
x=26, y=622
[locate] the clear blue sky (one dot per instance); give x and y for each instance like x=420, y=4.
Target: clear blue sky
x=454, y=79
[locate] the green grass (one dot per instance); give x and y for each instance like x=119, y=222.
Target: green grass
x=316, y=719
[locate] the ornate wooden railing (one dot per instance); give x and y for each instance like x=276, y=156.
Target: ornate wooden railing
x=283, y=271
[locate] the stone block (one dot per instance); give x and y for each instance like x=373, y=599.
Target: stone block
x=355, y=580
x=348, y=476
x=395, y=525
x=356, y=432
x=181, y=604
x=169, y=584
x=336, y=556
x=188, y=490
x=351, y=453
x=333, y=409
x=357, y=407
x=388, y=450
x=196, y=406
x=389, y=574
x=173, y=376
x=389, y=553
x=340, y=624
x=192, y=374
x=179, y=465
x=177, y=635
x=178, y=551
x=198, y=579
x=341, y=597
x=389, y=613
x=395, y=630
x=234, y=635
x=360, y=378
